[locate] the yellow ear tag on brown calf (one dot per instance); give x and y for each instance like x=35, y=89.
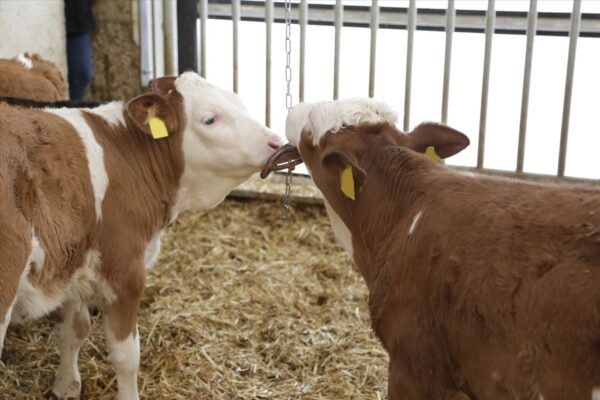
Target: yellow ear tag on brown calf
x=158, y=129
x=347, y=182
x=430, y=152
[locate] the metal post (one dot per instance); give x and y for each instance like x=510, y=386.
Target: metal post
x=269, y=22
x=450, y=20
x=374, y=27
x=564, y=131
x=187, y=35
x=489, y=34
x=531, y=28
x=303, y=23
x=235, y=17
x=339, y=16
x=158, y=35
x=170, y=21
x=146, y=48
x=412, y=19
x=203, y=18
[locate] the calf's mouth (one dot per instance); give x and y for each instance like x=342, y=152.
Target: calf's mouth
x=285, y=157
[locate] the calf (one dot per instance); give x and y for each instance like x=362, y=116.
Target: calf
x=30, y=77
x=479, y=287
x=85, y=194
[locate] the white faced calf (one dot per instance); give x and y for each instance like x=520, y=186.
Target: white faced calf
x=85, y=193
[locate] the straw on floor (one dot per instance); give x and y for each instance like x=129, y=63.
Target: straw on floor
x=241, y=305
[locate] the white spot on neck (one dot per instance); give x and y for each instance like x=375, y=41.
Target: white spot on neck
x=414, y=222
x=93, y=151
x=24, y=60
x=340, y=230
x=111, y=112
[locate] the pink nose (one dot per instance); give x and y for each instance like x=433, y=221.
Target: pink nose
x=275, y=145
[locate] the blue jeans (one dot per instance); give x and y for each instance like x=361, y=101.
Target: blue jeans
x=79, y=61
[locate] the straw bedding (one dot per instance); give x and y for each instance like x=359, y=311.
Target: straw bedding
x=241, y=305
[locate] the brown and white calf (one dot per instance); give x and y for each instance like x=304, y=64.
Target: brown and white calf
x=85, y=194
x=30, y=77
x=479, y=285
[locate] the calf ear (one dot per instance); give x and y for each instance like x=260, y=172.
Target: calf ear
x=446, y=141
x=348, y=173
x=140, y=109
x=163, y=85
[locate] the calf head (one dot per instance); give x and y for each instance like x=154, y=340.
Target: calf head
x=330, y=136
x=221, y=144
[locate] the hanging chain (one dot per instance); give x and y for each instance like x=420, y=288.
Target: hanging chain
x=288, y=95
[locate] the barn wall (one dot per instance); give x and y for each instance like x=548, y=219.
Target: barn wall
x=116, y=50
x=36, y=26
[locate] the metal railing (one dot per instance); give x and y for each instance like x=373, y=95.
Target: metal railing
x=488, y=22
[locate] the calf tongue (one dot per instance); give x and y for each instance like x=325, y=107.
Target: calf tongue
x=286, y=156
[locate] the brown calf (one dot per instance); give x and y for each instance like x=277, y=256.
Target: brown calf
x=482, y=286
x=30, y=77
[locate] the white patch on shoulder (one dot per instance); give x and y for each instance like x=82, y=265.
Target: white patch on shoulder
x=332, y=116
x=111, y=112
x=24, y=60
x=340, y=230
x=93, y=150
x=414, y=222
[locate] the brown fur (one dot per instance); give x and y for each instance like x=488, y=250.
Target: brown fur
x=45, y=184
x=495, y=294
x=44, y=82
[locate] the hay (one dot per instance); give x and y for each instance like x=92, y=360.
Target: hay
x=241, y=305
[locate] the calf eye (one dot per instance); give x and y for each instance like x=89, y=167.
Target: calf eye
x=209, y=120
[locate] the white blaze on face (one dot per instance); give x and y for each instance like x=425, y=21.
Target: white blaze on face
x=222, y=144
x=331, y=116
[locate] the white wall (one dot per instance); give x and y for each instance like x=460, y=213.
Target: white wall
x=36, y=26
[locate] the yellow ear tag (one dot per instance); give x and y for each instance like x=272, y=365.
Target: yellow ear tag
x=347, y=182
x=158, y=129
x=430, y=152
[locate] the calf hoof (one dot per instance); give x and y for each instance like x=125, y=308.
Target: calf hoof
x=63, y=390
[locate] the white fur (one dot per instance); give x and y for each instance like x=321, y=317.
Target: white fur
x=24, y=60
x=596, y=393
x=220, y=156
x=4, y=324
x=340, y=230
x=125, y=356
x=93, y=150
x=67, y=383
x=111, y=112
x=332, y=116
x=414, y=222
x=153, y=251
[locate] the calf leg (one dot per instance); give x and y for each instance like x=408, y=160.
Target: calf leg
x=4, y=321
x=69, y=334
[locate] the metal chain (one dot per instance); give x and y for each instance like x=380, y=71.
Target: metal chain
x=288, y=95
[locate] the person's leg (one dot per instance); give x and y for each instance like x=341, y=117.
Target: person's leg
x=79, y=61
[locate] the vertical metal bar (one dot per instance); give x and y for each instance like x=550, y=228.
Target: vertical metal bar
x=373, y=55
x=303, y=23
x=531, y=30
x=203, y=18
x=339, y=16
x=170, y=21
x=235, y=17
x=146, y=42
x=489, y=34
x=450, y=21
x=412, y=19
x=187, y=35
x=159, y=38
x=564, y=131
x=269, y=22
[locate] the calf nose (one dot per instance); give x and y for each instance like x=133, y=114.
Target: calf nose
x=275, y=141
x=274, y=145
